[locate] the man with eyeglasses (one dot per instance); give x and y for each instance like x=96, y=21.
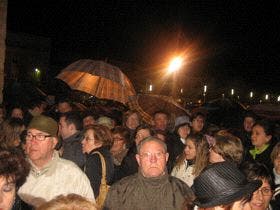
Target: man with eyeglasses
x=50, y=175
x=151, y=187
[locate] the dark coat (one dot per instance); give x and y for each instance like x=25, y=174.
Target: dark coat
x=21, y=205
x=137, y=192
x=263, y=158
x=128, y=166
x=93, y=168
x=72, y=149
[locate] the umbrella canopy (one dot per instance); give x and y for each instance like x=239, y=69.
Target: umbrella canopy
x=99, y=79
x=224, y=112
x=148, y=104
x=268, y=111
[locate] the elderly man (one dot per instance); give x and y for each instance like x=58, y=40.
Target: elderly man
x=151, y=187
x=50, y=175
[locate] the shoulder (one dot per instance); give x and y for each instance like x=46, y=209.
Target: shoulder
x=179, y=185
x=124, y=183
x=67, y=166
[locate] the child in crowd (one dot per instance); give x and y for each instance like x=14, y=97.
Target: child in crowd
x=186, y=162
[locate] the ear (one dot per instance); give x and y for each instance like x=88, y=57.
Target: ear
x=55, y=141
x=166, y=156
x=138, y=159
x=268, y=138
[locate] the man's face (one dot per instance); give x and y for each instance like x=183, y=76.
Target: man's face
x=152, y=159
x=197, y=124
x=160, y=121
x=248, y=124
x=88, y=120
x=40, y=152
x=132, y=121
x=64, y=107
x=17, y=113
x=65, y=130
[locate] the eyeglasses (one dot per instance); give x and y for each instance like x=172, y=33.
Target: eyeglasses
x=38, y=137
x=264, y=191
x=88, y=138
x=117, y=139
x=148, y=155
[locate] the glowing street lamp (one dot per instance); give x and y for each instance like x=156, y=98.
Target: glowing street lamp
x=266, y=96
x=251, y=94
x=232, y=92
x=175, y=64
x=278, y=99
x=150, y=88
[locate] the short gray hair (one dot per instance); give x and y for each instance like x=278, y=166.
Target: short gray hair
x=150, y=139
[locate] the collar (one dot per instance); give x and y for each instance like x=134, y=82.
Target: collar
x=48, y=169
x=183, y=140
x=254, y=152
x=75, y=137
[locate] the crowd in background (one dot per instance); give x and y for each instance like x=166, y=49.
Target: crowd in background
x=199, y=153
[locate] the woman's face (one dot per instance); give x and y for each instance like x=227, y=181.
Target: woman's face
x=132, y=121
x=184, y=131
x=259, y=137
x=190, y=150
x=7, y=193
x=118, y=144
x=88, y=142
x=261, y=197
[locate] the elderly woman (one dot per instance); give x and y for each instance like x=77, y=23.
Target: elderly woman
x=97, y=141
x=119, y=148
x=13, y=172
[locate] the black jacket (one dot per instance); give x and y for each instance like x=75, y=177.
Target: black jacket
x=93, y=168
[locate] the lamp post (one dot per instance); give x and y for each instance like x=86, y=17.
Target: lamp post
x=204, y=93
x=174, y=65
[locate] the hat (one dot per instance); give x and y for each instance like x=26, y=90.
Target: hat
x=220, y=184
x=180, y=121
x=106, y=121
x=44, y=124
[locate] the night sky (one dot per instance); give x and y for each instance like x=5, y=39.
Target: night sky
x=230, y=41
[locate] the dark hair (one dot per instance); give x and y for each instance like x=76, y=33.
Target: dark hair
x=123, y=132
x=36, y=102
x=144, y=127
x=198, y=114
x=257, y=171
x=161, y=112
x=73, y=117
x=128, y=113
x=266, y=125
x=13, y=165
x=89, y=114
x=250, y=114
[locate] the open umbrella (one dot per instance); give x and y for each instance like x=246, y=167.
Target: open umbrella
x=99, y=79
x=268, y=111
x=148, y=104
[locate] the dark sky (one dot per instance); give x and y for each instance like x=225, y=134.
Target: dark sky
x=231, y=41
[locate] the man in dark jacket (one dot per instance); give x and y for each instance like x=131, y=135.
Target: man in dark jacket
x=70, y=126
x=151, y=187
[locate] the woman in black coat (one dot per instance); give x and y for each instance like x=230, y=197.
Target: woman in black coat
x=97, y=139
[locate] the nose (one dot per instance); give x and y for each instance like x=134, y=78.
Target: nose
x=259, y=195
x=153, y=158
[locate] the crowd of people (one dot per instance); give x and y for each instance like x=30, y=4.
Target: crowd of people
x=73, y=159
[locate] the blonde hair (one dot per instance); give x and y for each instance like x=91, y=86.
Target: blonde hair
x=201, y=160
x=275, y=152
x=228, y=146
x=68, y=202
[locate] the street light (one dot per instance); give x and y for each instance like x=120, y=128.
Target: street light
x=204, y=93
x=175, y=64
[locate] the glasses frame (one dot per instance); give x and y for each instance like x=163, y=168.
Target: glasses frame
x=36, y=137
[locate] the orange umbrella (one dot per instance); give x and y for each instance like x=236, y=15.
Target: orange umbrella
x=99, y=79
x=148, y=104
